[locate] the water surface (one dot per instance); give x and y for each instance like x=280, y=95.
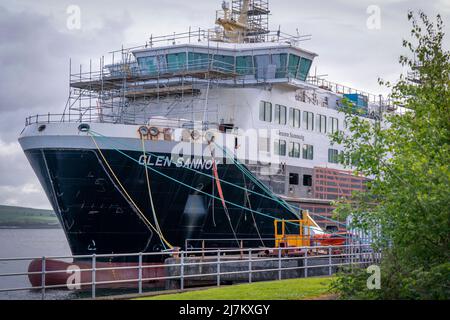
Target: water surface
x=30, y=243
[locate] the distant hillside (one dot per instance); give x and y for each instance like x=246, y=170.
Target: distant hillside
x=19, y=217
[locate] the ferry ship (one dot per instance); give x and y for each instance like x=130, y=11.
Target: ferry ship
x=207, y=135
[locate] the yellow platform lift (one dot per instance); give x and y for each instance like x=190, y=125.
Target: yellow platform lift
x=301, y=237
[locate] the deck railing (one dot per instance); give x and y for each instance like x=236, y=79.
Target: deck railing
x=214, y=266
x=105, y=118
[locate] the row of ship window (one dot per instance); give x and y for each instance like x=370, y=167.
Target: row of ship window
x=285, y=65
x=306, y=151
x=322, y=123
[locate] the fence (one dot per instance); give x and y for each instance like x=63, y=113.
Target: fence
x=186, y=268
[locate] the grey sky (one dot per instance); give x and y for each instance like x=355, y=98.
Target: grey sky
x=35, y=46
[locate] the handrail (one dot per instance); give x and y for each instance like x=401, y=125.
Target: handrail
x=192, y=264
x=133, y=72
x=105, y=118
x=198, y=35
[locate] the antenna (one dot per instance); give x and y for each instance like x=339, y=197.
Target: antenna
x=225, y=6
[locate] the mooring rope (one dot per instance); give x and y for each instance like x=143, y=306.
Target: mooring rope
x=191, y=187
x=281, y=202
x=261, y=185
x=126, y=193
x=150, y=192
x=253, y=216
x=197, y=171
x=268, y=191
x=220, y=192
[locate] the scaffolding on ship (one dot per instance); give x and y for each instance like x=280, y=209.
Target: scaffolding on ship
x=122, y=93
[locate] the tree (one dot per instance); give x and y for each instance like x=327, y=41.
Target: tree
x=406, y=155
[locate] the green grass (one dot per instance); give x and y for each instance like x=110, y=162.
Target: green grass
x=292, y=289
x=23, y=217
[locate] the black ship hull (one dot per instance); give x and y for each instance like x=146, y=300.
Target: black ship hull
x=97, y=217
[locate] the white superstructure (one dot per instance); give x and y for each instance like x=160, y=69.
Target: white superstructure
x=239, y=81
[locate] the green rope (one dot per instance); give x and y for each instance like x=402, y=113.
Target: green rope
x=274, y=197
x=199, y=172
x=256, y=181
x=241, y=167
x=195, y=189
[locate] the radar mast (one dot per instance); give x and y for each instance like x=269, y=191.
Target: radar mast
x=245, y=21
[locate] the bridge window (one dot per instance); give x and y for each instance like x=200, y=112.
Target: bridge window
x=147, y=64
x=244, y=65
x=298, y=67
x=308, y=152
x=308, y=120
x=293, y=65
x=198, y=60
x=161, y=62
x=294, y=150
x=265, y=111
x=261, y=64
x=280, y=114
x=223, y=63
x=280, y=61
x=294, y=117
x=176, y=61
x=305, y=65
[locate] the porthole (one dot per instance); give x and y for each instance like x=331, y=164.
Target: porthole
x=84, y=127
x=143, y=131
x=154, y=131
x=42, y=127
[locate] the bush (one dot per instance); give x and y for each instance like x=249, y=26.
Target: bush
x=407, y=156
x=396, y=283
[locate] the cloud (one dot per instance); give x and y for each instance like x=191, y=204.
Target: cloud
x=34, y=62
x=34, y=56
x=9, y=149
x=30, y=195
x=18, y=184
x=349, y=52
